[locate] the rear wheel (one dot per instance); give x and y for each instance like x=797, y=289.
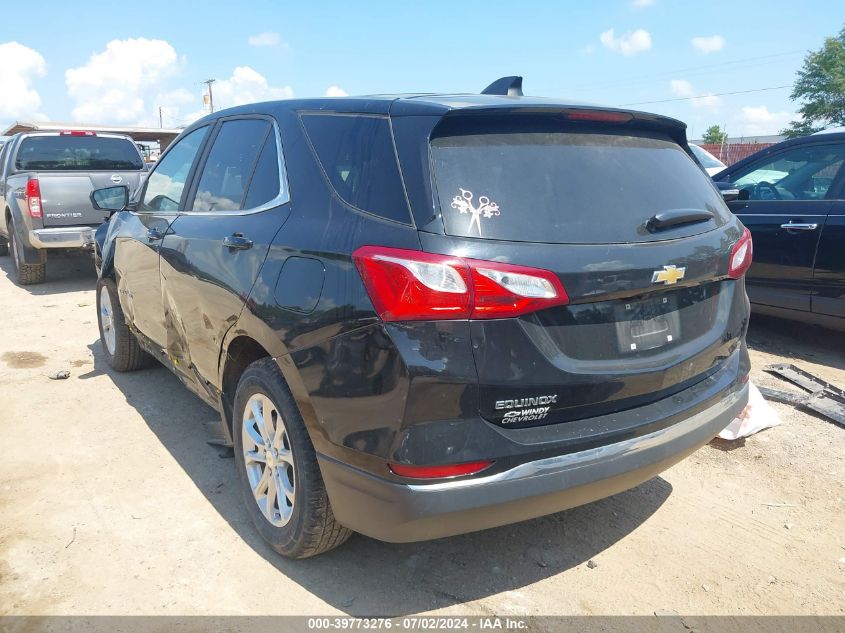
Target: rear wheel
x=123, y=353
x=25, y=274
x=280, y=479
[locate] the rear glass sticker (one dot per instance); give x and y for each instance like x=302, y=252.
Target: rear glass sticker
x=463, y=203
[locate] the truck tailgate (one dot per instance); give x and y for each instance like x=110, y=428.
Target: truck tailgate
x=66, y=196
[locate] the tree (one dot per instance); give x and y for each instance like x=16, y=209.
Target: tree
x=714, y=135
x=821, y=87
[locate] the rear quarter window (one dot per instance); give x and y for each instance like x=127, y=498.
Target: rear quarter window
x=356, y=153
x=77, y=153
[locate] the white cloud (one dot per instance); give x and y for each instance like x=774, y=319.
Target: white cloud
x=19, y=66
x=336, y=91
x=641, y=4
x=684, y=89
x=630, y=43
x=246, y=85
x=758, y=121
x=115, y=85
x=264, y=39
x=710, y=44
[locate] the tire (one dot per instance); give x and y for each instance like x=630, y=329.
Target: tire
x=302, y=523
x=25, y=274
x=121, y=348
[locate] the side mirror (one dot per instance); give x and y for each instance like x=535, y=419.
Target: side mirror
x=110, y=198
x=729, y=191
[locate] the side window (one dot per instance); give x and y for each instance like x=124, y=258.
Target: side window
x=356, y=153
x=167, y=181
x=800, y=173
x=265, y=184
x=230, y=164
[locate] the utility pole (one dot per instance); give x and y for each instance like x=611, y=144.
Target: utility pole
x=208, y=83
x=160, y=120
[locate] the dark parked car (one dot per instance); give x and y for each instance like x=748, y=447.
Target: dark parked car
x=425, y=315
x=792, y=198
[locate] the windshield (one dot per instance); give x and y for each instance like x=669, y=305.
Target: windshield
x=706, y=158
x=77, y=153
x=567, y=188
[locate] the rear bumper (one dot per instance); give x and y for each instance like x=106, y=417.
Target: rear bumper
x=62, y=237
x=397, y=512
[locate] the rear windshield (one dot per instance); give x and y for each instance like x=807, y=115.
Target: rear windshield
x=77, y=153
x=565, y=187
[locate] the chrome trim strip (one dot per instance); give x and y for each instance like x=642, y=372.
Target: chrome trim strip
x=593, y=455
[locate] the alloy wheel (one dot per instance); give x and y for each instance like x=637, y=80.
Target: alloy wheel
x=268, y=459
x=107, y=320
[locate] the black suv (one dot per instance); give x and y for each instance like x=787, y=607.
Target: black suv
x=425, y=315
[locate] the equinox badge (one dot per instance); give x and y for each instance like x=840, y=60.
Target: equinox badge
x=669, y=275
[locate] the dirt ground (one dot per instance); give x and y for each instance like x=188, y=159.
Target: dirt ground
x=112, y=502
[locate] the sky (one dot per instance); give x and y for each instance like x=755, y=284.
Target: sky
x=118, y=63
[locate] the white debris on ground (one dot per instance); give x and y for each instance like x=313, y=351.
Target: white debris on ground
x=755, y=417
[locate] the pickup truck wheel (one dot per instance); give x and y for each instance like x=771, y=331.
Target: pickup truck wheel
x=25, y=274
x=277, y=467
x=123, y=353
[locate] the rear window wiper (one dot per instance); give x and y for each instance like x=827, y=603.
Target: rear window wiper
x=674, y=217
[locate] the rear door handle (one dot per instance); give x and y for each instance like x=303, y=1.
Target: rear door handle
x=237, y=242
x=798, y=226
x=154, y=235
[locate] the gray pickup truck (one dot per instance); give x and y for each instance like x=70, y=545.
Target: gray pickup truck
x=46, y=180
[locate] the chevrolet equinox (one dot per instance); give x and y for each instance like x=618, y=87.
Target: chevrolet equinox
x=424, y=315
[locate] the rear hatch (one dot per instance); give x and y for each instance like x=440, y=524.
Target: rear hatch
x=634, y=230
x=70, y=166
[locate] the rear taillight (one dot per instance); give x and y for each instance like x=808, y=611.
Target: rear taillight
x=437, y=472
x=406, y=285
x=741, y=256
x=77, y=133
x=33, y=197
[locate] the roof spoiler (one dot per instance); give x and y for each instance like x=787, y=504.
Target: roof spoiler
x=505, y=86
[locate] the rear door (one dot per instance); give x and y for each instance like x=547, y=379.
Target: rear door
x=216, y=247
x=829, y=274
x=71, y=165
x=651, y=309
x=138, y=236
x=785, y=204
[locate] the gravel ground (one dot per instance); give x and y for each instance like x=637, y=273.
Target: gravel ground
x=112, y=502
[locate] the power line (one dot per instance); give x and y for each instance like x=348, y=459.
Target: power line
x=717, y=94
x=689, y=71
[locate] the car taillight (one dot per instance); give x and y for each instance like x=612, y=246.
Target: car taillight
x=77, y=133
x=33, y=197
x=741, y=256
x=406, y=285
x=437, y=472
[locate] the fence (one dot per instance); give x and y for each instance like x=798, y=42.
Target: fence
x=731, y=153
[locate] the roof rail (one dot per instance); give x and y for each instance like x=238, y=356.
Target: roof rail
x=505, y=86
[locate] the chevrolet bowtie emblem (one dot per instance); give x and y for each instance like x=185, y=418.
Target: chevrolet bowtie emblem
x=669, y=275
